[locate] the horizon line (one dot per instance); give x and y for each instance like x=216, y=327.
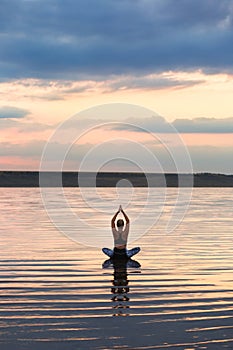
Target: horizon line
x=115, y=172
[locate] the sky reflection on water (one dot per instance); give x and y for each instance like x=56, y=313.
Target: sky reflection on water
x=54, y=292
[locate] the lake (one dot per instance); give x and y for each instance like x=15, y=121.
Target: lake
x=55, y=293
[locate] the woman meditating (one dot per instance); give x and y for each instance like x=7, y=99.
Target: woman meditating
x=120, y=231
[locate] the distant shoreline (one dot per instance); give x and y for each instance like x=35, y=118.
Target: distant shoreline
x=110, y=179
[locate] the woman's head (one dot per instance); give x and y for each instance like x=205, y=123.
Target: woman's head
x=120, y=223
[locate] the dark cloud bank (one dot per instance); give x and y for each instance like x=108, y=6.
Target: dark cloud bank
x=73, y=39
x=157, y=124
x=12, y=117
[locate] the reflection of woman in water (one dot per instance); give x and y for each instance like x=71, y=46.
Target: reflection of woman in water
x=120, y=231
x=120, y=289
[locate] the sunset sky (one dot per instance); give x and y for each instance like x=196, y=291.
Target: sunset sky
x=174, y=57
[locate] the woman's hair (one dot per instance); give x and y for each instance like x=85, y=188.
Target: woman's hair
x=120, y=223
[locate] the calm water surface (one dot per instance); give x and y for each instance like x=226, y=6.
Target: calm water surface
x=55, y=294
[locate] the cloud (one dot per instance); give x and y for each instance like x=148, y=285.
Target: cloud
x=8, y=112
x=77, y=39
x=24, y=126
x=142, y=125
x=52, y=90
x=151, y=82
x=48, y=90
x=154, y=124
x=204, y=125
x=158, y=124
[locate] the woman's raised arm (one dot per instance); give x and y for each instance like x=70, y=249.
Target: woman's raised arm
x=114, y=219
x=125, y=216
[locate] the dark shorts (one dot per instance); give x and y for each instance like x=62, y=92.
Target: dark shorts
x=120, y=252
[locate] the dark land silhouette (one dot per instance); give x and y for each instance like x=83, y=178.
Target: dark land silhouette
x=110, y=179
